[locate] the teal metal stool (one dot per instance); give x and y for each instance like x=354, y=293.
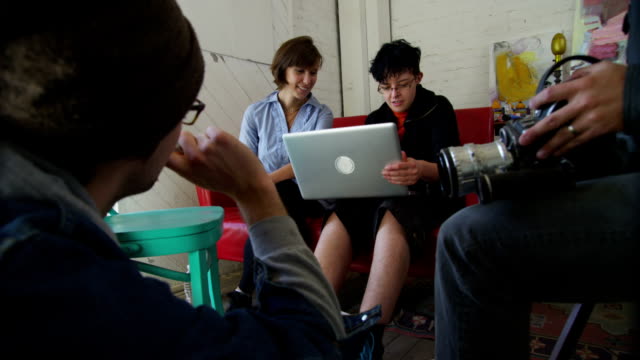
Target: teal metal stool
x=192, y=230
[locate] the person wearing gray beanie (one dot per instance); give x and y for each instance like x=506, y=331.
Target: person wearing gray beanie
x=92, y=101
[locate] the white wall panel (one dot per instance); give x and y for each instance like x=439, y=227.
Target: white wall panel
x=318, y=19
x=364, y=27
x=223, y=87
x=251, y=78
x=456, y=37
x=282, y=19
x=241, y=28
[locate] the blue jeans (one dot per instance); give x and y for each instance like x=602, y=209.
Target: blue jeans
x=494, y=260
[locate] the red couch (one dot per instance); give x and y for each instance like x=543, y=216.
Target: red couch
x=475, y=126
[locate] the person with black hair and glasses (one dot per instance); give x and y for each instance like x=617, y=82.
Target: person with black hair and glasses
x=91, y=105
x=396, y=227
x=291, y=108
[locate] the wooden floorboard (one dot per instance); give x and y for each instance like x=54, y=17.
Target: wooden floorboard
x=388, y=337
x=397, y=346
x=423, y=350
x=403, y=347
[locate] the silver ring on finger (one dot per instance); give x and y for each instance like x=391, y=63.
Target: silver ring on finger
x=573, y=130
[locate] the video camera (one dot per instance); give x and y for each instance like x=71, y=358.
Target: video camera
x=504, y=168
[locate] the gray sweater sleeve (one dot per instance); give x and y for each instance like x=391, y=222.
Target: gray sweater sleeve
x=278, y=244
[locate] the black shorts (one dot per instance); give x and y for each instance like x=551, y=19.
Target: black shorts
x=418, y=215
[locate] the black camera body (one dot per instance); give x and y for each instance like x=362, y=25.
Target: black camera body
x=505, y=169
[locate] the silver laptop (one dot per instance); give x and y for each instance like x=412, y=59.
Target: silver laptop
x=345, y=162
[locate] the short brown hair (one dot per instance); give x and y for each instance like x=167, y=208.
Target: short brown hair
x=299, y=51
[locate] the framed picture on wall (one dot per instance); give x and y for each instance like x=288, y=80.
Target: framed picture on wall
x=515, y=70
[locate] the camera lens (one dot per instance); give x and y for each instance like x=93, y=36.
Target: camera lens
x=459, y=166
x=447, y=173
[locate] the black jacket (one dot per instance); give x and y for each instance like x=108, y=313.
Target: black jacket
x=430, y=126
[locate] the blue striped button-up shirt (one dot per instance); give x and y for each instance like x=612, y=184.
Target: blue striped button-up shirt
x=264, y=123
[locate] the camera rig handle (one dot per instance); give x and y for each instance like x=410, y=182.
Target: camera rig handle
x=557, y=65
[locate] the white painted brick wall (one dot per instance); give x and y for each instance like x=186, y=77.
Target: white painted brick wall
x=456, y=36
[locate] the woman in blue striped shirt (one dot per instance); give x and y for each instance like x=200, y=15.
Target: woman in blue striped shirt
x=291, y=108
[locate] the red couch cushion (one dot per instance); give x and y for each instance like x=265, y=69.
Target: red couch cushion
x=475, y=125
x=349, y=121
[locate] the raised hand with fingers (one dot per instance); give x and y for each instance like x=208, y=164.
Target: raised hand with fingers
x=409, y=171
x=594, y=107
x=217, y=160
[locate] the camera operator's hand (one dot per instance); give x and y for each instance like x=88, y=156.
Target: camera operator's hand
x=216, y=160
x=595, y=100
x=409, y=170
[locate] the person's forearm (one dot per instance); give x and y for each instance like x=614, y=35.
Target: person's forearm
x=260, y=202
x=277, y=243
x=284, y=173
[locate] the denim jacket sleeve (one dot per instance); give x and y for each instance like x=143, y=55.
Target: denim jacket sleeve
x=57, y=282
x=277, y=244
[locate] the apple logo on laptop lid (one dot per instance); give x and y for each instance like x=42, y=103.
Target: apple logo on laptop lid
x=345, y=165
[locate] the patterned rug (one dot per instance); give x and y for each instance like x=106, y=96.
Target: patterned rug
x=608, y=335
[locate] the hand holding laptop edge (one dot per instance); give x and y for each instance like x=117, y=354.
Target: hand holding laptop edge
x=345, y=162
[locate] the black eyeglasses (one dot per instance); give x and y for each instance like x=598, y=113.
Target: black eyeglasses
x=195, y=109
x=385, y=89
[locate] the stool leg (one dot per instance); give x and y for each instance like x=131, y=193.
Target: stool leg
x=198, y=274
x=565, y=347
x=215, y=293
